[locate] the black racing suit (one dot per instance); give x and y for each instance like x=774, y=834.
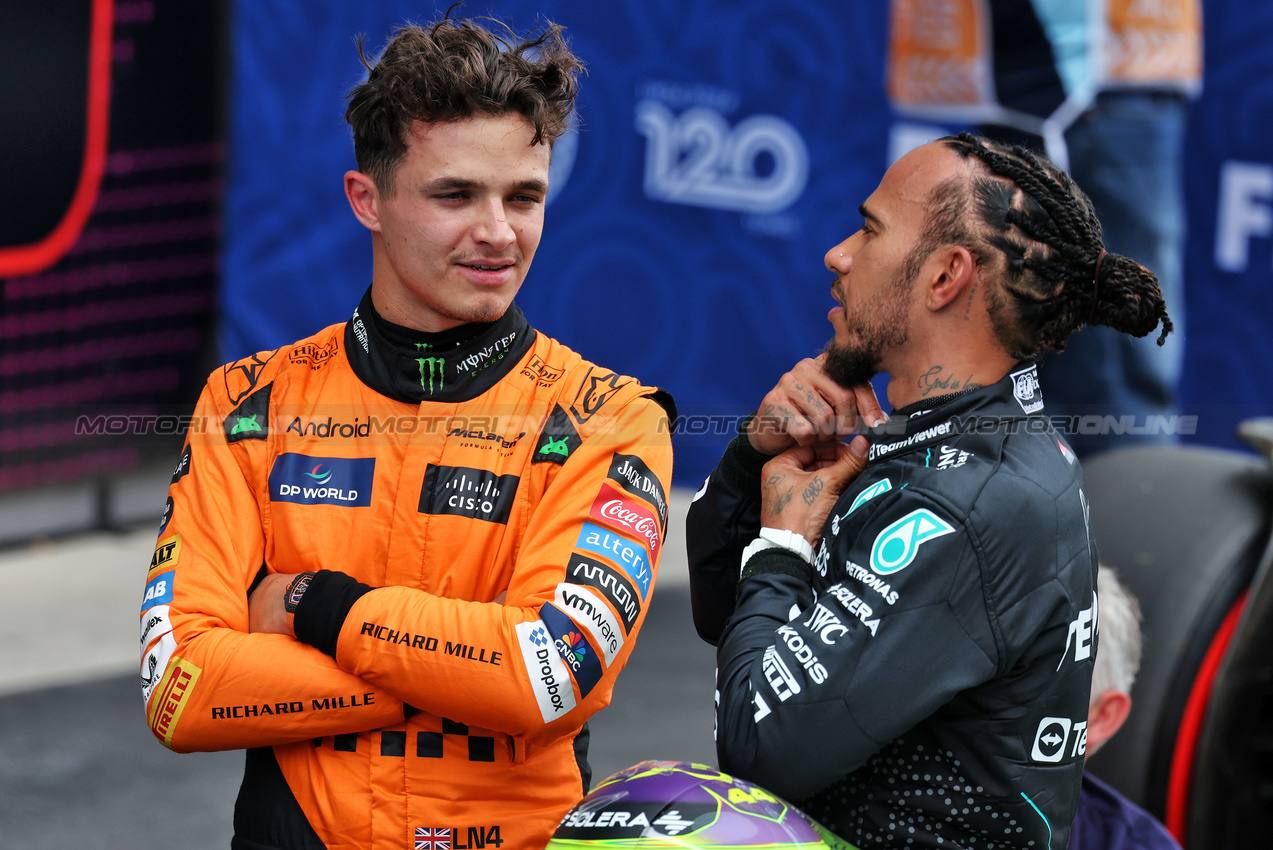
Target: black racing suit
x=924, y=683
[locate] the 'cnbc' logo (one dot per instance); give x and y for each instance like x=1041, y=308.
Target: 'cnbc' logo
x=430, y=367
x=318, y=475
x=245, y=424
x=572, y=648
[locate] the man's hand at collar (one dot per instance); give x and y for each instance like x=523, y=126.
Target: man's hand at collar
x=800, y=486
x=807, y=408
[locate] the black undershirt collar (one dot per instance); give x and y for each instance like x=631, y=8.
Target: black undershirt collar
x=451, y=366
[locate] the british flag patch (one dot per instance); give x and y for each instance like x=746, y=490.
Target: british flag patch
x=432, y=839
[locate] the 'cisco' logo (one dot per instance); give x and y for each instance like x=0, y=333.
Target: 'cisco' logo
x=473, y=493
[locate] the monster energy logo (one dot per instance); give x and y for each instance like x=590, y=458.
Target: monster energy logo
x=429, y=368
x=245, y=423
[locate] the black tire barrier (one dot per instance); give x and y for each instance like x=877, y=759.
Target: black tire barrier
x=1186, y=528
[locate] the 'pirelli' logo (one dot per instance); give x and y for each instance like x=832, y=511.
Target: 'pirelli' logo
x=171, y=698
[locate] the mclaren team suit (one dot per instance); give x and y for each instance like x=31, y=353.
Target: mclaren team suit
x=426, y=479
x=924, y=682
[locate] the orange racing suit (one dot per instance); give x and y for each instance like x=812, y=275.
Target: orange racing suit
x=485, y=516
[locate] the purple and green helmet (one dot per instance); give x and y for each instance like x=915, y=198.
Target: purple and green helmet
x=679, y=804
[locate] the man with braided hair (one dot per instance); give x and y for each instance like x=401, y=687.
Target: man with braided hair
x=906, y=623
x=1105, y=89
x=405, y=559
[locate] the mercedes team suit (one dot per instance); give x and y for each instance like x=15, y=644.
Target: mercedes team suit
x=923, y=682
x=425, y=479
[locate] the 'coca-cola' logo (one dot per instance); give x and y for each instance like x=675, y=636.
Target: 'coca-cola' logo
x=621, y=513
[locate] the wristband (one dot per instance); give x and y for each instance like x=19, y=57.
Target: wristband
x=778, y=538
x=295, y=590
x=754, y=547
x=788, y=540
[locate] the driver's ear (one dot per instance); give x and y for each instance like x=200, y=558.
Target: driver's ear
x=955, y=274
x=364, y=198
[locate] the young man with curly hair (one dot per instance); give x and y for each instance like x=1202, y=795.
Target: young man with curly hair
x=408, y=556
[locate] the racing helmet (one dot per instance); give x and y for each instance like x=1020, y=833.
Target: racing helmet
x=681, y=804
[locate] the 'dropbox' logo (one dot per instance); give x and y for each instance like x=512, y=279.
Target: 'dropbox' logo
x=307, y=480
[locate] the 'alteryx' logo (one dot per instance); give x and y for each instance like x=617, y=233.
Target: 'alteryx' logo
x=309, y=480
x=619, y=550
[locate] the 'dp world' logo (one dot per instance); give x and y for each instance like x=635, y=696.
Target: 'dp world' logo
x=307, y=480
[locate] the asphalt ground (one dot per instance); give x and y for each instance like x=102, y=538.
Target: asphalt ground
x=80, y=769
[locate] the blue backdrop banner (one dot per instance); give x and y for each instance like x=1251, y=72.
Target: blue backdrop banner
x=722, y=147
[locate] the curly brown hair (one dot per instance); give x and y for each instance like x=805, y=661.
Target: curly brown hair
x=455, y=69
x=1028, y=222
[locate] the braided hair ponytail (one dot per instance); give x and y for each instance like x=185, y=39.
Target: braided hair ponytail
x=1055, y=267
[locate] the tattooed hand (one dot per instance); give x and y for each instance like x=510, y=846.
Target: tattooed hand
x=817, y=475
x=807, y=408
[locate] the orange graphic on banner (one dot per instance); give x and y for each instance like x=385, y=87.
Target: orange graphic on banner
x=939, y=53
x=1154, y=41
